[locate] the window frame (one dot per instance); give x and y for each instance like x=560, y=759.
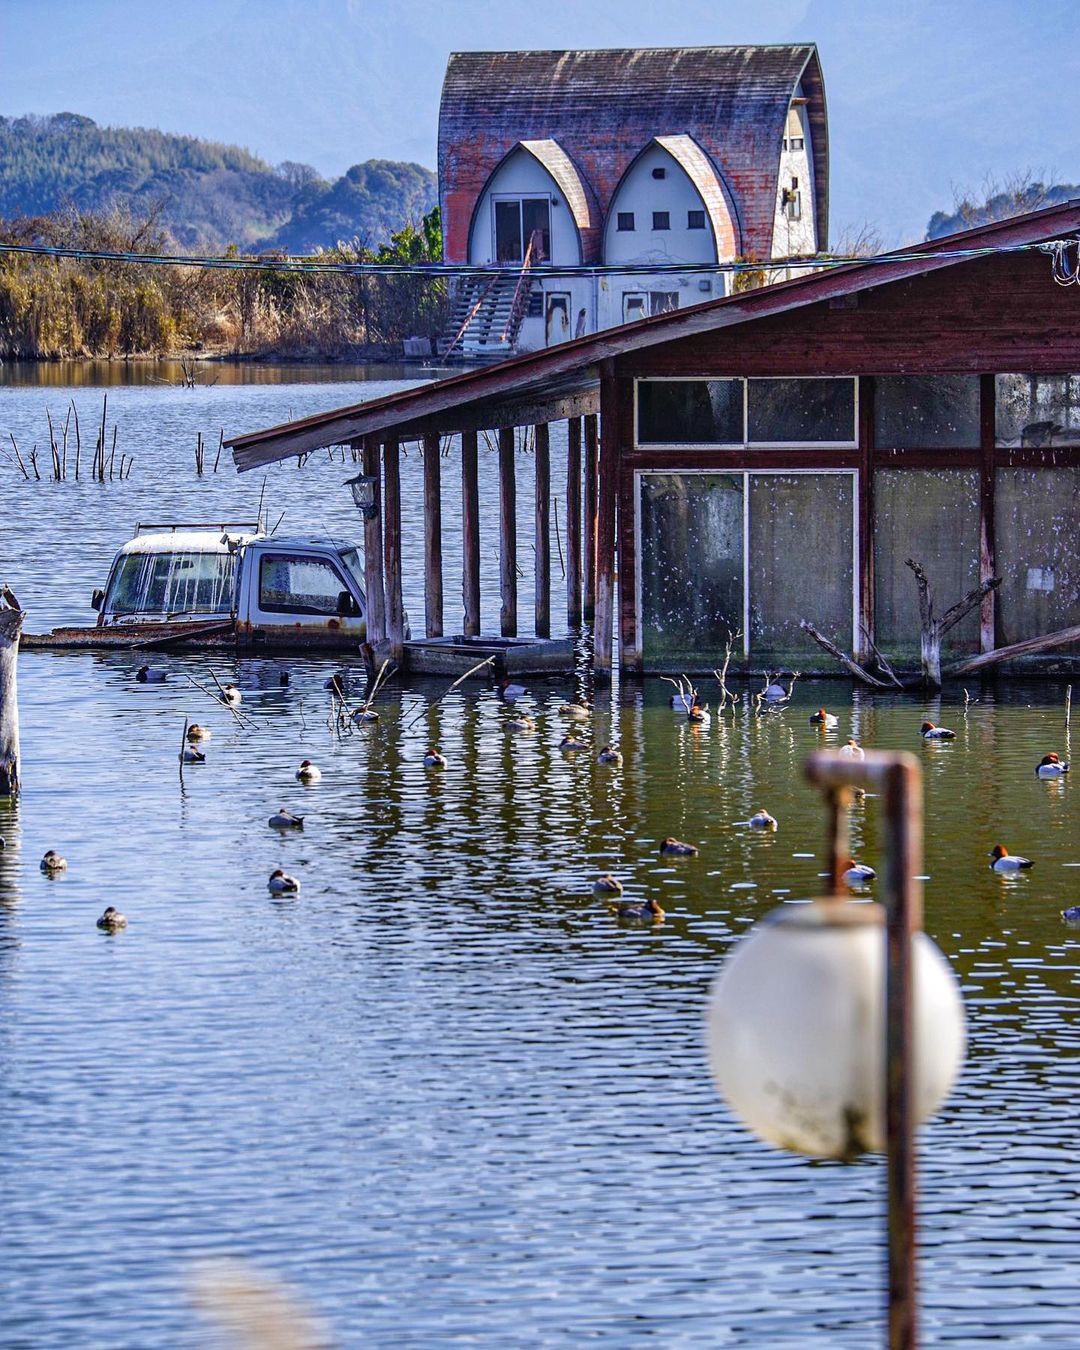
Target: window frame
x=286, y=556
x=745, y=444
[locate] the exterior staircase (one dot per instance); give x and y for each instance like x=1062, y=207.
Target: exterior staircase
x=486, y=312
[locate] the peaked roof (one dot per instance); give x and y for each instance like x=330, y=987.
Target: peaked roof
x=563, y=381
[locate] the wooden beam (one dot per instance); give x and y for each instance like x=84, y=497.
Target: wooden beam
x=987, y=540
x=543, y=532
x=507, y=534
x=433, y=588
x=592, y=441
x=605, y=524
x=395, y=610
x=573, y=522
x=470, y=534
x=373, y=550
x=494, y=415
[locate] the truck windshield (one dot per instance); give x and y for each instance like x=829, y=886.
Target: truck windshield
x=172, y=583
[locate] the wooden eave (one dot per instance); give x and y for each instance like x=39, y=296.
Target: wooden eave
x=563, y=381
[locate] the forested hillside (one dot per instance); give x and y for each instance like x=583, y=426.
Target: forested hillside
x=209, y=195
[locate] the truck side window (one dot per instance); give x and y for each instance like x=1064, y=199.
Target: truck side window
x=296, y=585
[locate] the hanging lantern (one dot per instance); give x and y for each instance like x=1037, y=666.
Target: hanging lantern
x=796, y=1028
x=365, y=489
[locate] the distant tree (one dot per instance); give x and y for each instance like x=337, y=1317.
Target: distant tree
x=298, y=175
x=1015, y=194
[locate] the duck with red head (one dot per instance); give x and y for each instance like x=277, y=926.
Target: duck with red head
x=1004, y=861
x=824, y=719
x=929, y=732
x=1050, y=766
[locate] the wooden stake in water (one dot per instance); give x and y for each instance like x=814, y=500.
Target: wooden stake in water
x=10, y=628
x=1068, y=706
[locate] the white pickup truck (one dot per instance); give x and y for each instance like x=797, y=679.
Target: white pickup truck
x=226, y=584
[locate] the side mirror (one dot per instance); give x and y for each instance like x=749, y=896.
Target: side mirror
x=346, y=605
x=97, y=599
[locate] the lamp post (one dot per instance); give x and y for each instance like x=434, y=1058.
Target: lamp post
x=836, y=1027
x=364, y=488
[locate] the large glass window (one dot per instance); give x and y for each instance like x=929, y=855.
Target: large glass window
x=1038, y=410
x=794, y=411
x=176, y=584
x=691, y=561
x=926, y=412
x=1035, y=516
x=690, y=412
x=299, y=585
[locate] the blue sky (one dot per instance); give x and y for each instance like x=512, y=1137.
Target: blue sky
x=923, y=95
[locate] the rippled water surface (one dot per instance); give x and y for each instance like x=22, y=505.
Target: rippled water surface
x=442, y=1092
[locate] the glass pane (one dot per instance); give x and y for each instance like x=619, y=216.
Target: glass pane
x=926, y=412
x=691, y=568
x=1035, y=513
x=535, y=215
x=931, y=515
x=690, y=412
x=299, y=585
x=801, y=565
x=508, y=232
x=801, y=410
x=1038, y=410
x=125, y=593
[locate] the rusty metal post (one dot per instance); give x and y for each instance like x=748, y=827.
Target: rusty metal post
x=898, y=778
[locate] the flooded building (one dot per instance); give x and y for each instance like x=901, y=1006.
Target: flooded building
x=663, y=161
x=773, y=456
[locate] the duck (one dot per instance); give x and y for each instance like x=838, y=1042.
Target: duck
x=148, y=675
x=761, y=820
x=675, y=848
x=191, y=754
x=53, y=862
x=853, y=750
x=569, y=745
x=1004, y=861
x=856, y=874
x=648, y=911
x=1050, y=766
x=824, y=719
x=1072, y=914
x=111, y=920
x=308, y=773
x=435, y=759
x=699, y=714
x=231, y=695
x=609, y=755
x=929, y=732
x=523, y=722
x=607, y=885
x=577, y=712
x=195, y=732
x=283, y=819
x=280, y=883
x=511, y=692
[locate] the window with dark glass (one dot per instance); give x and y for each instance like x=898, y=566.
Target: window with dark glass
x=624, y=220
x=1037, y=410
x=690, y=412
x=926, y=412
x=793, y=411
x=300, y=585
x=659, y=173
x=695, y=220
x=661, y=220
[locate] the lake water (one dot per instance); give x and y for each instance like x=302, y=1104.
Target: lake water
x=442, y=1093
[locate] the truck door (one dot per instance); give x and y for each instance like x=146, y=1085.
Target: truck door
x=298, y=596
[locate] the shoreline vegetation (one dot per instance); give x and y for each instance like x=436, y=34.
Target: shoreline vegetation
x=54, y=309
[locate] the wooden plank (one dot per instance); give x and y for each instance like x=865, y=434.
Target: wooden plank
x=605, y=524
x=492, y=415
x=987, y=542
x=543, y=532
x=433, y=587
x=507, y=534
x=573, y=522
x=373, y=550
x=395, y=610
x=592, y=440
x=865, y=515
x=470, y=534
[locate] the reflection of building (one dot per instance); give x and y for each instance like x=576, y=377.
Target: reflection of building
x=656, y=159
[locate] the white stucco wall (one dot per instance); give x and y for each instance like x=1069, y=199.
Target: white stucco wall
x=522, y=175
x=643, y=194
x=793, y=238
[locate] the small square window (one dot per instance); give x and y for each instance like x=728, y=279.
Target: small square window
x=695, y=220
x=661, y=220
x=659, y=173
x=624, y=220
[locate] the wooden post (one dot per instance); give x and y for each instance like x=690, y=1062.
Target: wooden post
x=987, y=541
x=10, y=628
x=373, y=550
x=862, y=640
x=395, y=612
x=573, y=522
x=470, y=534
x=433, y=590
x=605, y=522
x=592, y=441
x=507, y=534
x=543, y=532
